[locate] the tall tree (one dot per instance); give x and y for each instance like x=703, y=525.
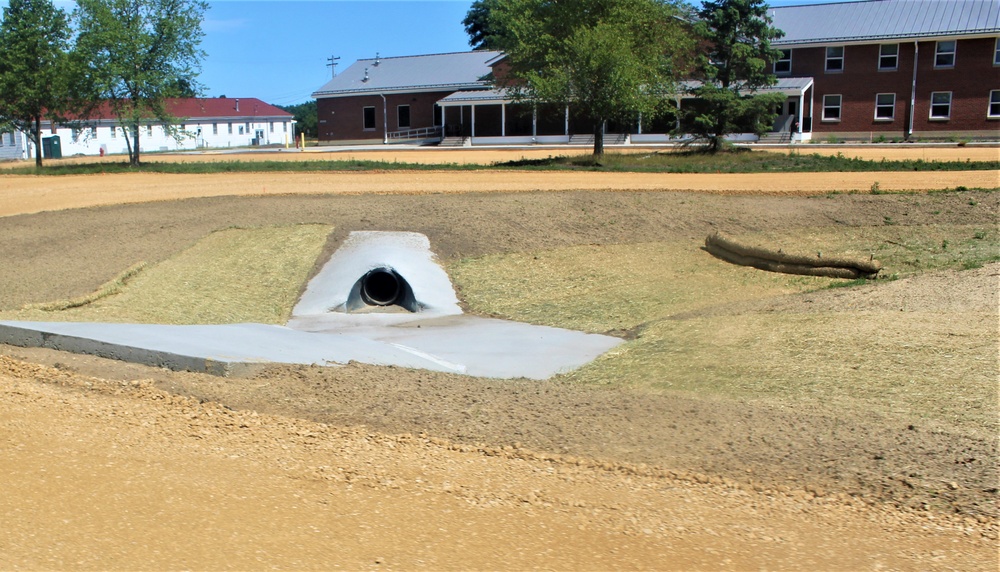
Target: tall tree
x=35, y=37
x=608, y=59
x=477, y=24
x=736, y=65
x=306, y=117
x=138, y=54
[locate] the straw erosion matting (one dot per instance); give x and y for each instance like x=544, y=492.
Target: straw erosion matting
x=883, y=393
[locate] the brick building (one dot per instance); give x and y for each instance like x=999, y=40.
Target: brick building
x=895, y=69
x=848, y=71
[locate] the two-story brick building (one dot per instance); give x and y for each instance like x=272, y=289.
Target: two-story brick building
x=869, y=70
x=894, y=69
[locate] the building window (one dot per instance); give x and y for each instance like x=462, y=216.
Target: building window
x=996, y=53
x=270, y=126
x=941, y=105
x=215, y=129
x=369, y=118
x=284, y=127
x=230, y=127
x=944, y=55
x=994, y=110
x=114, y=132
x=403, y=116
x=783, y=65
x=888, y=57
x=831, y=107
x=241, y=130
x=885, y=107
x=149, y=131
x=835, y=59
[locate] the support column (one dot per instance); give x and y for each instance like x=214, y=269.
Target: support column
x=534, y=124
x=473, y=122
x=503, y=119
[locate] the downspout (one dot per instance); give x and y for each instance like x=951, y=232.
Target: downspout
x=385, y=121
x=913, y=89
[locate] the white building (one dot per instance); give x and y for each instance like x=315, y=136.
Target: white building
x=201, y=123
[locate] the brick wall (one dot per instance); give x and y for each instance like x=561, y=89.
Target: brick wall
x=969, y=81
x=341, y=119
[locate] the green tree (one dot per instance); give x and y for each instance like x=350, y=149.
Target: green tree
x=735, y=66
x=137, y=54
x=608, y=59
x=477, y=24
x=35, y=39
x=306, y=117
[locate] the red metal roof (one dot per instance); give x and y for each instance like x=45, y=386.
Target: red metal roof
x=209, y=107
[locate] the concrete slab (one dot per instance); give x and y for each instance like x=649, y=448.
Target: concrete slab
x=329, y=328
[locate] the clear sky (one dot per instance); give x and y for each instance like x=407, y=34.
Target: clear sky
x=277, y=50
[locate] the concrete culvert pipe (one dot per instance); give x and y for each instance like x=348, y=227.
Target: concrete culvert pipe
x=381, y=287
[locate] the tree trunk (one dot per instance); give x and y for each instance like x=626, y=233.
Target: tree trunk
x=599, y=138
x=134, y=155
x=38, y=142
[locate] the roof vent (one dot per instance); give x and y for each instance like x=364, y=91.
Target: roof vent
x=376, y=59
x=366, y=75
x=237, y=104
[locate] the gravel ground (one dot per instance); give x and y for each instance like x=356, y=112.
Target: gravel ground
x=116, y=466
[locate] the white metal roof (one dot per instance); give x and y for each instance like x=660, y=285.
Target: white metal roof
x=454, y=71
x=874, y=20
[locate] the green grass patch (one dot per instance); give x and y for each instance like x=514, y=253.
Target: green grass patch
x=230, y=276
x=740, y=161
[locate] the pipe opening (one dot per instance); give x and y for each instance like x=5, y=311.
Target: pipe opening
x=381, y=287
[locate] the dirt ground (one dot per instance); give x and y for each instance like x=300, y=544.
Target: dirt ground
x=108, y=465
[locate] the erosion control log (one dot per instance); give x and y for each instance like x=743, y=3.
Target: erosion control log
x=779, y=261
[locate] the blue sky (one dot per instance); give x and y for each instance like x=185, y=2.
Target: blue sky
x=277, y=50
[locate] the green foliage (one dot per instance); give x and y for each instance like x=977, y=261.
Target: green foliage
x=136, y=54
x=477, y=24
x=735, y=66
x=33, y=63
x=608, y=59
x=306, y=117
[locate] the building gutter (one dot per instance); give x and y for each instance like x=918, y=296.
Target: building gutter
x=913, y=89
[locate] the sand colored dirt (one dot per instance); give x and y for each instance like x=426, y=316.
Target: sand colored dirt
x=26, y=194
x=108, y=465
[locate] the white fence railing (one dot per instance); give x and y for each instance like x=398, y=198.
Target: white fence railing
x=420, y=133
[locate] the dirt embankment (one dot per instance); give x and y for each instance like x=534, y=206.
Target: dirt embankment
x=364, y=467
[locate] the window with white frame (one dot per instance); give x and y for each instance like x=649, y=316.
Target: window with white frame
x=831, y=107
x=284, y=126
x=369, y=118
x=215, y=129
x=403, y=116
x=888, y=57
x=783, y=65
x=994, y=111
x=114, y=132
x=885, y=107
x=944, y=54
x=230, y=127
x=149, y=130
x=940, y=105
x=270, y=126
x=835, y=59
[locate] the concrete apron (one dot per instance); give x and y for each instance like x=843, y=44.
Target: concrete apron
x=381, y=299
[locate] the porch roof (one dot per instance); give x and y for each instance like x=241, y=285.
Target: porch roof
x=790, y=86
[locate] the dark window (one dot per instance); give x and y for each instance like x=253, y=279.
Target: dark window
x=941, y=105
x=835, y=59
x=784, y=63
x=403, y=115
x=369, y=116
x=994, y=111
x=885, y=106
x=230, y=128
x=944, y=54
x=831, y=107
x=888, y=57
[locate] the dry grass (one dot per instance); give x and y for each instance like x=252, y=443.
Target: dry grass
x=230, y=276
x=865, y=360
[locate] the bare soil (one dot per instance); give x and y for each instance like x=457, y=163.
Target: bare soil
x=109, y=465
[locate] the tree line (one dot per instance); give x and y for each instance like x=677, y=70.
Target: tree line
x=129, y=56
x=620, y=60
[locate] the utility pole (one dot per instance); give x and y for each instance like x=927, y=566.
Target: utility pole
x=333, y=64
